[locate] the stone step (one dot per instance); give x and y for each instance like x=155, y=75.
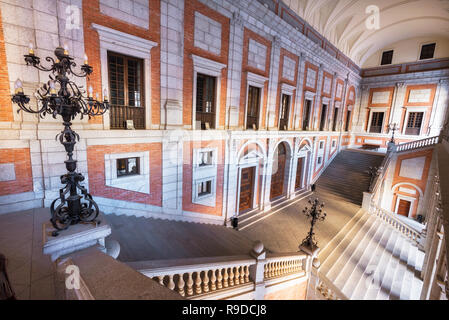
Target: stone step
x=362, y=238
x=400, y=271
x=338, y=251
x=353, y=223
x=368, y=259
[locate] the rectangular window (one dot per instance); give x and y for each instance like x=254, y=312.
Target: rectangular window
x=205, y=158
x=252, y=115
x=321, y=144
x=205, y=101
x=377, y=120
x=127, y=167
x=320, y=159
x=126, y=90
x=306, y=115
x=414, y=123
x=285, y=106
x=323, y=117
x=387, y=57
x=427, y=51
x=348, y=119
x=333, y=144
x=334, y=122
x=204, y=188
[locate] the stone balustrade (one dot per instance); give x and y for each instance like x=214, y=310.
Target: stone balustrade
x=418, y=144
x=282, y=265
x=402, y=227
x=323, y=288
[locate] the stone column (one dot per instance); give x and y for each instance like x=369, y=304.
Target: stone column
x=317, y=107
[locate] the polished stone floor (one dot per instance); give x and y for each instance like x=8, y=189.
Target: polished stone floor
x=31, y=272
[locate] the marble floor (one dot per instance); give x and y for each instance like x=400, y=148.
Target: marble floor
x=31, y=273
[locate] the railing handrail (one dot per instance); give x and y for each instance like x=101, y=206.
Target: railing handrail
x=173, y=266
x=285, y=256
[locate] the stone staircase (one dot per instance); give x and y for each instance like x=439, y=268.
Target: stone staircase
x=346, y=177
x=370, y=260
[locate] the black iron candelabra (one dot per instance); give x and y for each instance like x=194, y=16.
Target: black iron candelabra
x=393, y=127
x=62, y=96
x=315, y=213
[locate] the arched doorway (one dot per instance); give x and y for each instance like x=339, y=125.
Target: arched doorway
x=278, y=172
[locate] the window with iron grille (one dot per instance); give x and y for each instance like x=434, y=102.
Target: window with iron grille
x=205, y=101
x=204, y=188
x=414, y=123
x=348, y=119
x=334, y=121
x=126, y=91
x=306, y=115
x=323, y=117
x=205, y=158
x=128, y=167
x=387, y=57
x=377, y=120
x=285, y=106
x=252, y=115
x=427, y=51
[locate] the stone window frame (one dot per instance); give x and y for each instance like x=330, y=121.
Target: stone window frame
x=204, y=173
x=213, y=69
x=308, y=95
x=258, y=81
x=131, y=181
x=410, y=109
x=130, y=45
x=8, y=172
x=287, y=90
x=370, y=118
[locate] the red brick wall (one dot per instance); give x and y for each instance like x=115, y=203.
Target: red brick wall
x=97, y=187
x=187, y=177
x=247, y=35
x=22, y=161
x=92, y=14
x=5, y=93
x=190, y=8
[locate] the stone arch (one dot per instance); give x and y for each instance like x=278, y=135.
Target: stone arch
x=281, y=159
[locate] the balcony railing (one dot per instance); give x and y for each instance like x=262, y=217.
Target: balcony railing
x=120, y=114
x=418, y=144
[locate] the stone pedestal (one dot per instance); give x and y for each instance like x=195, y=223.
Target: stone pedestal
x=75, y=238
x=313, y=253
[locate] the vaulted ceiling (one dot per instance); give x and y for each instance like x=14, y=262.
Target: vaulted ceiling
x=343, y=22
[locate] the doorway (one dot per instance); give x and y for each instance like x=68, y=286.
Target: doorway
x=278, y=175
x=246, y=189
x=404, y=207
x=299, y=171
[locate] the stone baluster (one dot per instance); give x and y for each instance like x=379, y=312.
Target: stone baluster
x=231, y=276
x=237, y=275
x=181, y=285
x=213, y=280
x=219, y=279
x=189, y=284
x=242, y=275
x=161, y=280
x=246, y=274
x=225, y=278
x=171, y=283
x=198, y=283
x=206, y=281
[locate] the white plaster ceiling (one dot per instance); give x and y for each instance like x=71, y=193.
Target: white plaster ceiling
x=342, y=22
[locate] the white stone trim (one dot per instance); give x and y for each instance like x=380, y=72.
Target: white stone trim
x=425, y=110
x=211, y=68
x=139, y=182
x=376, y=109
x=258, y=81
x=7, y=172
x=123, y=43
x=405, y=198
x=208, y=199
x=202, y=174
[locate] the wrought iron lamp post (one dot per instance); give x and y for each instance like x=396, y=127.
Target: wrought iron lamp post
x=316, y=213
x=61, y=96
x=393, y=127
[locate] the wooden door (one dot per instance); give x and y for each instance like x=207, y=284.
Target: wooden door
x=404, y=207
x=277, y=178
x=285, y=109
x=246, y=189
x=299, y=170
